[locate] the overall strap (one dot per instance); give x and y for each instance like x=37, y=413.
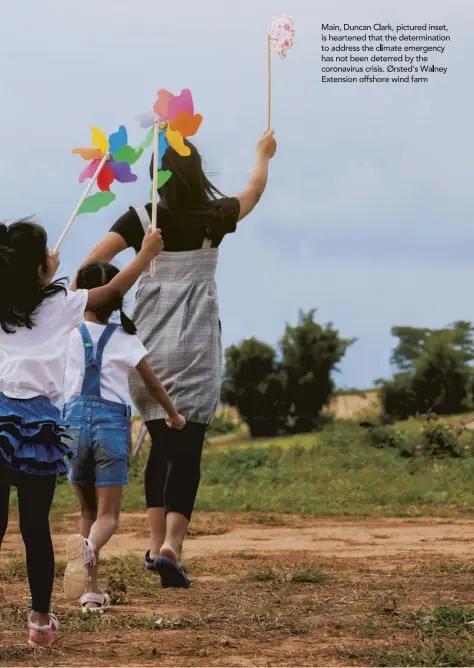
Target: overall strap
x=143, y=216
x=91, y=382
x=104, y=339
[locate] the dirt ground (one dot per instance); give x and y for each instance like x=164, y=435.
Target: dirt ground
x=267, y=590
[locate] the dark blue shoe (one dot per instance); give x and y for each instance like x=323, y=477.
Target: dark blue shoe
x=171, y=573
x=150, y=565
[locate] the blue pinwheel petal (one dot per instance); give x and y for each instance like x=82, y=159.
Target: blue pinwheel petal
x=162, y=147
x=118, y=140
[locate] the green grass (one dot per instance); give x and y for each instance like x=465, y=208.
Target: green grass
x=333, y=472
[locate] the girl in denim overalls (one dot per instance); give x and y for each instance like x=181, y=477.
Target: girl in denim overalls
x=100, y=356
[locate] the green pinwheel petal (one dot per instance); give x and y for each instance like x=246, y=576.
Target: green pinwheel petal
x=96, y=202
x=128, y=154
x=163, y=177
x=148, y=141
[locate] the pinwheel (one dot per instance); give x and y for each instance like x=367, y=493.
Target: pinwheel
x=279, y=41
x=110, y=160
x=171, y=119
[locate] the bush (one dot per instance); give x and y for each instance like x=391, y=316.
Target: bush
x=386, y=436
x=439, y=440
x=283, y=391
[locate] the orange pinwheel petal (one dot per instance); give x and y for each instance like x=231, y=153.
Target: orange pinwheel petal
x=186, y=124
x=88, y=153
x=161, y=105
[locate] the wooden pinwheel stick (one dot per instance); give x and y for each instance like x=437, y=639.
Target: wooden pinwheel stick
x=269, y=59
x=154, y=206
x=81, y=202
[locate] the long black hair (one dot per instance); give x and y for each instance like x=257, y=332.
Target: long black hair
x=23, y=250
x=187, y=194
x=95, y=275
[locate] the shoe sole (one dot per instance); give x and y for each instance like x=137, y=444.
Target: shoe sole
x=76, y=575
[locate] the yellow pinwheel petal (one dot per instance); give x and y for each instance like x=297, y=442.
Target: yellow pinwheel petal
x=100, y=140
x=176, y=142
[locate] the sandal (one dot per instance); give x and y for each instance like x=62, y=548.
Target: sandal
x=103, y=600
x=171, y=573
x=80, y=557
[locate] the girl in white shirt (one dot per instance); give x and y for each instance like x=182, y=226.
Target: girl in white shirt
x=97, y=410
x=37, y=316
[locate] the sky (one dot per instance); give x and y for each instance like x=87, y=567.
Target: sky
x=367, y=215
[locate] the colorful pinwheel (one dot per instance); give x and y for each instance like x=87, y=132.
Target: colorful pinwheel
x=115, y=155
x=177, y=119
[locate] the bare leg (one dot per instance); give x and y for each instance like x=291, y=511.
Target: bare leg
x=109, y=500
x=157, y=521
x=176, y=529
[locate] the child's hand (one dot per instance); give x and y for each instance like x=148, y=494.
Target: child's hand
x=267, y=145
x=178, y=422
x=152, y=243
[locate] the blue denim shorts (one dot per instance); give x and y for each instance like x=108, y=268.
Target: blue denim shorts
x=100, y=441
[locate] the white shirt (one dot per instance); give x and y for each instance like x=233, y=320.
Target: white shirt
x=122, y=352
x=32, y=361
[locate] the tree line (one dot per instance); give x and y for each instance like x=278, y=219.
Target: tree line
x=283, y=389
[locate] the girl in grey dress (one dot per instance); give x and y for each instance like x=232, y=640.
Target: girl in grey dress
x=177, y=319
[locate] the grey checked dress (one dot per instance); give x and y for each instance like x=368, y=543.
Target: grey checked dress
x=177, y=318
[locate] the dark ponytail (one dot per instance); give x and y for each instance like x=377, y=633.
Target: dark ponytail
x=95, y=275
x=127, y=323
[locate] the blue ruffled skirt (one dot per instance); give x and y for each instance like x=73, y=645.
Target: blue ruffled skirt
x=32, y=436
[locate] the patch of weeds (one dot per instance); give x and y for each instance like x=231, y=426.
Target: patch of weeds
x=269, y=621
x=440, y=621
x=420, y=654
x=179, y=622
x=10, y=654
x=117, y=589
x=308, y=573
x=302, y=574
x=248, y=556
x=367, y=629
x=14, y=569
x=267, y=574
x=74, y=622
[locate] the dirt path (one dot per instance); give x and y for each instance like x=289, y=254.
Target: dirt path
x=216, y=533
x=268, y=590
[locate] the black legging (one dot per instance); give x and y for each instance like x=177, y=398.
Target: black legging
x=173, y=470
x=35, y=496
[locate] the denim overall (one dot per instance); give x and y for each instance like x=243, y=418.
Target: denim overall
x=99, y=429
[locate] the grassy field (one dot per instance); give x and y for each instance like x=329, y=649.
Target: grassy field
x=334, y=472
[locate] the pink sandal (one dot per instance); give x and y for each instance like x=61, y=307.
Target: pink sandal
x=42, y=636
x=102, y=599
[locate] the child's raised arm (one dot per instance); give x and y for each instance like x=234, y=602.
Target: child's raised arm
x=158, y=392
x=151, y=247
